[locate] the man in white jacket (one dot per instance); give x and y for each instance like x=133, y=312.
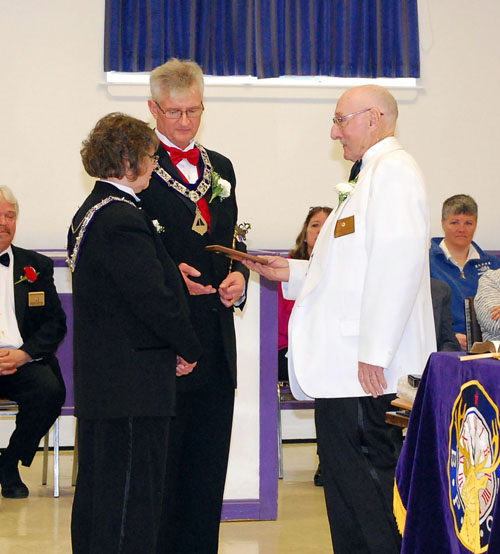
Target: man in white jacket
x=362, y=319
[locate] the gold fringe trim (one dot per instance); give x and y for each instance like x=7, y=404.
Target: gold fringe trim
x=399, y=510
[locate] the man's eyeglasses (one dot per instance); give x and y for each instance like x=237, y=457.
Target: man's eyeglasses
x=192, y=113
x=339, y=120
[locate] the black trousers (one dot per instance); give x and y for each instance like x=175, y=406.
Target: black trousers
x=358, y=453
x=40, y=393
x=282, y=365
x=196, y=469
x=119, y=488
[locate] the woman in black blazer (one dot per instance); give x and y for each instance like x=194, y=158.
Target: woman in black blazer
x=132, y=334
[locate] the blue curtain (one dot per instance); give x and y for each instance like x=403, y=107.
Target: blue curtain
x=266, y=38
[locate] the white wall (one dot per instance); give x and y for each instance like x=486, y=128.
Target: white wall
x=52, y=94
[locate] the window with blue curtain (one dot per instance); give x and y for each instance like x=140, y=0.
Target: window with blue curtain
x=266, y=38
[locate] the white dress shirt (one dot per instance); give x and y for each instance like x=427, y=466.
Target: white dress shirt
x=472, y=255
x=123, y=188
x=10, y=337
x=189, y=170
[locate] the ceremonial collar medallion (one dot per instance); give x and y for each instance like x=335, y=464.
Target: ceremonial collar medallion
x=203, y=186
x=72, y=258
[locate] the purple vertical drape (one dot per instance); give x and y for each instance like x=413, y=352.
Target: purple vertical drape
x=266, y=38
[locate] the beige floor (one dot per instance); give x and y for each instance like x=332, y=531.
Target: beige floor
x=40, y=523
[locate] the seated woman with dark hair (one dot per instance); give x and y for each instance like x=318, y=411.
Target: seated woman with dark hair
x=487, y=305
x=457, y=260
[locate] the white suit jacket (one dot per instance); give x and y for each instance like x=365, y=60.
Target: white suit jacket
x=365, y=296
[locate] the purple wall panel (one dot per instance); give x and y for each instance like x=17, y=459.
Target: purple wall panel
x=65, y=356
x=266, y=506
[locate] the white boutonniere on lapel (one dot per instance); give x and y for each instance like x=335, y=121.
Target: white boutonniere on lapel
x=159, y=228
x=345, y=190
x=220, y=187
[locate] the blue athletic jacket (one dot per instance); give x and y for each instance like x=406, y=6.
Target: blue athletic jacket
x=462, y=284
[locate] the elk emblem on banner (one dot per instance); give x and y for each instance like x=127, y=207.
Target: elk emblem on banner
x=474, y=457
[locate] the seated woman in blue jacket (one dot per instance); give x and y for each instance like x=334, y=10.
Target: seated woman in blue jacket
x=457, y=260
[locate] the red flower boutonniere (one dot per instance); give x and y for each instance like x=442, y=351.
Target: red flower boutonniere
x=30, y=274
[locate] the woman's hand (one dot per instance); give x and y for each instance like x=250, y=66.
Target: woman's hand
x=495, y=312
x=183, y=367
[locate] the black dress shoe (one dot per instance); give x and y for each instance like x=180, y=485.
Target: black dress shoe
x=318, y=479
x=12, y=486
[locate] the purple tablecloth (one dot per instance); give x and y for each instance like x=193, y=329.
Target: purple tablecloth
x=448, y=475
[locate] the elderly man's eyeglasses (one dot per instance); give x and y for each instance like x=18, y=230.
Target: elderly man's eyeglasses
x=192, y=113
x=339, y=120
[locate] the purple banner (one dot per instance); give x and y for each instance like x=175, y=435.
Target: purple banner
x=448, y=475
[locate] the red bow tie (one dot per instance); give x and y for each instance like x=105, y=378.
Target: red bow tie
x=176, y=155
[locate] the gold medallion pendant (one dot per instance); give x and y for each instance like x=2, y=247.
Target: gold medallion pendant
x=199, y=224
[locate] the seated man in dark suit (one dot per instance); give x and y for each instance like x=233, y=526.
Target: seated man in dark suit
x=32, y=324
x=446, y=339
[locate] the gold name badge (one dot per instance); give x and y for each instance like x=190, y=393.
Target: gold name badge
x=36, y=299
x=344, y=227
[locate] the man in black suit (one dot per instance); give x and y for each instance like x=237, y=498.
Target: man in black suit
x=32, y=324
x=130, y=322
x=446, y=338
x=192, y=198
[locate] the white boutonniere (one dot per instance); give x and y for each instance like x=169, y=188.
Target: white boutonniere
x=159, y=228
x=220, y=187
x=346, y=189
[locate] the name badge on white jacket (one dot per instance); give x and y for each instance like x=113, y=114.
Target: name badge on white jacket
x=344, y=226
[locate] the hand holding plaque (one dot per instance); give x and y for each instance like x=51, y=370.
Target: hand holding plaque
x=235, y=254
